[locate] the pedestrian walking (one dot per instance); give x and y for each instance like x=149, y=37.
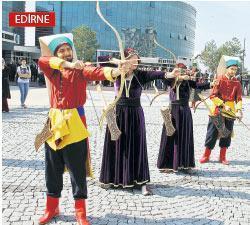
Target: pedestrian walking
x=5, y=87
x=24, y=75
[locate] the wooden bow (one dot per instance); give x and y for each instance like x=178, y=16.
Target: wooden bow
x=166, y=50
x=175, y=59
x=229, y=114
x=121, y=49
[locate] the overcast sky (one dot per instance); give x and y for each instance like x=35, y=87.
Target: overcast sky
x=221, y=21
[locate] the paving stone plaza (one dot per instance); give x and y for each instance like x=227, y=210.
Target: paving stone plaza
x=214, y=194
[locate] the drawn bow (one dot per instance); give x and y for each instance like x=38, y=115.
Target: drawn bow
x=175, y=59
x=230, y=114
x=111, y=107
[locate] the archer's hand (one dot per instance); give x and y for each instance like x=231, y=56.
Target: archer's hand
x=123, y=67
x=184, y=77
x=75, y=65
x=79, y=65
x=175, y=73
x=214, y=83
x=227, y=108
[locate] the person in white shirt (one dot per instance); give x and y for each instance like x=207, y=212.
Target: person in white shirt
x=24, y=75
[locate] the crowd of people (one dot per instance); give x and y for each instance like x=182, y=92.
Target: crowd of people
x=20, y=74
x=13, y=66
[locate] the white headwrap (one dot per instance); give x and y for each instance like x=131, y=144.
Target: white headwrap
x=226, y=61
x=50, y=43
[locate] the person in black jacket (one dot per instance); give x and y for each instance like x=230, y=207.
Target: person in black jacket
x=5, y=87
x=12, y=68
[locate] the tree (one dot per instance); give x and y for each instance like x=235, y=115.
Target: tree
x=85, y=42
x=232, y=48
x=211, y=55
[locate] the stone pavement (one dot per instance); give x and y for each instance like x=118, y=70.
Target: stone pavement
x=216, y=194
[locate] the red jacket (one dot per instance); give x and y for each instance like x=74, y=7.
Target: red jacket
x=228, y=92
x=67, y=87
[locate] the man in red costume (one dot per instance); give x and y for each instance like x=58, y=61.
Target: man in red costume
x=227, y=100
x=66, y=79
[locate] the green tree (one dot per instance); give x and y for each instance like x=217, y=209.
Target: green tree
x=211, y=55
x=232, y=48
x=85, y=42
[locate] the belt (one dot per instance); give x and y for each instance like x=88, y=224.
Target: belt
x=81, y=111
x=131, y=102
x=180, y=102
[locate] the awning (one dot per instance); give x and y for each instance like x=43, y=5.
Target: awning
x=30, y=49
x=8, y=46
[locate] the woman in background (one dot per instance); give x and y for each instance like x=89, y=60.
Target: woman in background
x=5, y=87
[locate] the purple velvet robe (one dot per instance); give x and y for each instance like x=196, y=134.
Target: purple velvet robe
x=125, y=161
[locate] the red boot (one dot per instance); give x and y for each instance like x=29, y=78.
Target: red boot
x=223, y=156
x=51, y=210
x=81, y=212
x=206, y=155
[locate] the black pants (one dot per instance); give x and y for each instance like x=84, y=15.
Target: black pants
x=5, y=106
x=212, y=134
x=74, y=158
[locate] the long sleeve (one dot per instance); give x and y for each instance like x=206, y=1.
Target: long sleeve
x=196, y=85
x=148, y=76
x=29, y=71
x=215, y=95
x=49, y=64
x=239, y=97
x=18, y=70
x=91, y=73
x=168, y=82
x=227, y=92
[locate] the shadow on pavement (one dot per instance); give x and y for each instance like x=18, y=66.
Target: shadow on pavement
x=173, y=191
x=123, y=220
x=19, y=113
x=240, y=163
x=222, y=173
x=32, y=164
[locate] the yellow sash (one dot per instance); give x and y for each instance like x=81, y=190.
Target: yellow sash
x=67, y=127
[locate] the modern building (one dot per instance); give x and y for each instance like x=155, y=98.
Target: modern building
x=11, y=37
x=15, y=40
x=172, y=23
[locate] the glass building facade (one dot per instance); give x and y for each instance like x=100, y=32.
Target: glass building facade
x=10, y=6
x=13, y=38
x=171, y=23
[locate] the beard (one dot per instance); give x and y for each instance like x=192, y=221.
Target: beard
x=232, y=74
x=68, y=59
